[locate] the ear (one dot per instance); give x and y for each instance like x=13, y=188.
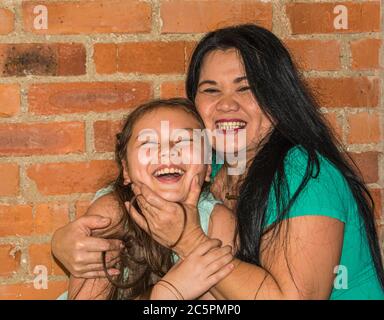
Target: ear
x=127, y=179
x=208, y=174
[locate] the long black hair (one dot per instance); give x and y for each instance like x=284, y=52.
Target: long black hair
x=297, y=121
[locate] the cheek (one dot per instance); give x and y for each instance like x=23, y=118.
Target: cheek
x=205, y=110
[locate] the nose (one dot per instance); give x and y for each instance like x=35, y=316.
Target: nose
x=227, y=104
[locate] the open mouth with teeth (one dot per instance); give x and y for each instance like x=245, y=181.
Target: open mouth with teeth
x=230, y=125
x=170, y=174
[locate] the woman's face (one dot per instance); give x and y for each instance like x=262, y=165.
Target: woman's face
x=226, y=103
x=161, y=156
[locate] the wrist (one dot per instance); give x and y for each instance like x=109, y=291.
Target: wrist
x=161, y=292
x=190, y=241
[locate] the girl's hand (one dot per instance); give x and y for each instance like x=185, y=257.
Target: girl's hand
x=165, y=220
x=202, y=269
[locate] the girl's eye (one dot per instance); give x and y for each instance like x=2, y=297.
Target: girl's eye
x=149, y=143
x=183, y=143
x=242, y=89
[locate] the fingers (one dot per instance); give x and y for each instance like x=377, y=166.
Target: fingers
x=92, y=222
x=92, y=244
x=88, y=258
x=218, y=259
x=100, y=274
x=137, y=217
x=220, y=275
x=94, y=263
x=194, y=192
x=146, y=208
x=151, y=197
x=206, y=247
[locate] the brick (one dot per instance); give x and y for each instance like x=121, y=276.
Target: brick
x=307, y=18
x=180, y=16
x=377, y=199
x=10, y=260
x=15, y=220
x=346, y=92
x=173, y=89
x=53, y=59
x=27, y=291
x=335, y=125
x=367, y=162
x=307, y=57
x=105, y=135
x=49, y=217
x=9, y=179
x=7, y=21
x=365, y=54
x=152, y=57
x=63, y=98
x=87, y=17
x=41, y=138
x=72, y=177
x=71, y=59
x=40, y=255
x=363, y=128
x=105, y=58
x=81, y=207
x=9, y=100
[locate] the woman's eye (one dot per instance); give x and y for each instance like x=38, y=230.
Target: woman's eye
x=210, y=90
x=242, y=89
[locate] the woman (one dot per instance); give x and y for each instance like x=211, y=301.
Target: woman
x=303, y=214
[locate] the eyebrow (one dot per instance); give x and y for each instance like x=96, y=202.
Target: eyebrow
x=144, y=131
x=237, y=80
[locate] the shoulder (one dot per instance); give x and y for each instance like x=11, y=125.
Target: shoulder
x=326, y=191
x=108, y=206
x=322, y=171
x=221, y=213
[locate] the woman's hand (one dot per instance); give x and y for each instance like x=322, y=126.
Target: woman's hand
x=80, y=253
x=207, y=264
x=164, y=220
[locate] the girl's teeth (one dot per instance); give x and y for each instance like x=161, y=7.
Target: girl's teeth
x=168, y=170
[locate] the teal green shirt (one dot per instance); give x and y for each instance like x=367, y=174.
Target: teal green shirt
x=328, y=194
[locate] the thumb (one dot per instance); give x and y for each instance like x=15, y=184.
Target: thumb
x=92, y=222
x=194, y=192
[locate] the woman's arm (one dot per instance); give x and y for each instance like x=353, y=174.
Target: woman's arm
x=99, y=288
x=298, y=267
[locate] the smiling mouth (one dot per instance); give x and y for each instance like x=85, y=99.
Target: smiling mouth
x=169, y=174
x=230, y=125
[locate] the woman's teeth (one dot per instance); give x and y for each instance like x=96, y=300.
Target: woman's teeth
x=168, y=171
x=231, y=125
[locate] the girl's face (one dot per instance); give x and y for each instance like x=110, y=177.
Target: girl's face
x=154, y=153
x=225, y=101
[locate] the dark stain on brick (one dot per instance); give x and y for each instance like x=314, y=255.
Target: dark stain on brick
x=30, y=59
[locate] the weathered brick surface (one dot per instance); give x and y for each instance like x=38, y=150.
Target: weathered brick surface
x=64, y=91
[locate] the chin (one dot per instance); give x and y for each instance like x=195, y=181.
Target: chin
x=172, y=196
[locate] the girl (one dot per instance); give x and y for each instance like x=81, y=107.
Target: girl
x=148, y=272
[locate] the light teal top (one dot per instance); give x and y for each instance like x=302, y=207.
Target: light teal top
x=328, y=194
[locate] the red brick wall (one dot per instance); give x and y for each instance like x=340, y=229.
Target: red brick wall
x=64, y=90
